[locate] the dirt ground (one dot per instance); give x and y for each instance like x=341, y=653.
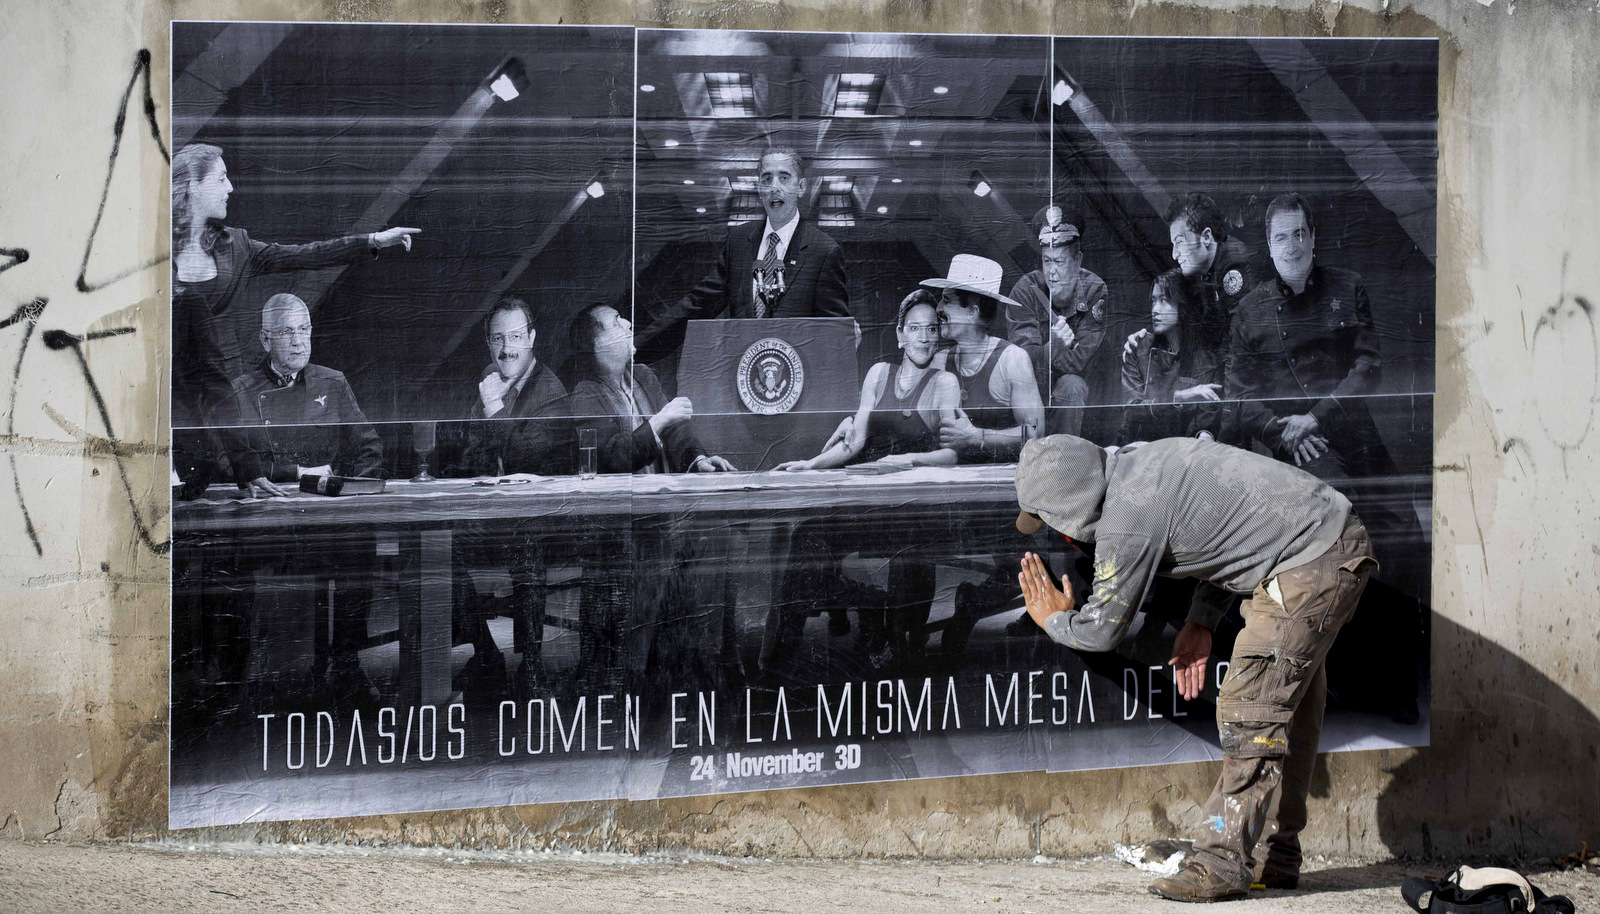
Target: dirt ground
x=172, y=877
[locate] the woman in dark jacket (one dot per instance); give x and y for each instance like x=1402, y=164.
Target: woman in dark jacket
x=210, y=263
x=666, y=618
x=637, y=429
x=1171, y=381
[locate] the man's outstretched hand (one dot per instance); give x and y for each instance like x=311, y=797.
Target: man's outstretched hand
x=1044, y=599
x=1189, y=655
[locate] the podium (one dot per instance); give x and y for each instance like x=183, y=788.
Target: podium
x=767, y=390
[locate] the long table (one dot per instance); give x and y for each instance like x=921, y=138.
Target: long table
x=415, y=523
x=955, y=511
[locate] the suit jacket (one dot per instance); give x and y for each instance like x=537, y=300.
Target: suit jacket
x=813, y=274
x=530, y=433
x=623, y=448
x=312, y=422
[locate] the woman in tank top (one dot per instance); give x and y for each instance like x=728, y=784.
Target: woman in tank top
x=902, y=404
x=897, y=423
x=999, y=393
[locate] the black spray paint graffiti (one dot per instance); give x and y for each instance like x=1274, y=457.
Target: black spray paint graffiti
x=1566, y=345
x=28, y=316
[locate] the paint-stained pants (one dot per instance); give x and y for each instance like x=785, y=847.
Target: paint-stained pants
x=1269, y=711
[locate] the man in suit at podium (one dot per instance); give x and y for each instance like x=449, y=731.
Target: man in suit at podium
x=782, y=267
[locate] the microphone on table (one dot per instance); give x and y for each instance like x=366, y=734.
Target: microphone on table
x=340, y=485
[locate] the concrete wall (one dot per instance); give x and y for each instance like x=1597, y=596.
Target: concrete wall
x=1516, y=639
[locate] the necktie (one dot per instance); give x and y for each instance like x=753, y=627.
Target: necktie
x=770, y=270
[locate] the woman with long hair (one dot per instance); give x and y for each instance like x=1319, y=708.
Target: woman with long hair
x=1172, y=382
x=902, y=403
x=210, y=263
x=897, y=424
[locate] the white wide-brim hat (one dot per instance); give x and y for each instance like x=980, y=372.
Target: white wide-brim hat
x=971, y=273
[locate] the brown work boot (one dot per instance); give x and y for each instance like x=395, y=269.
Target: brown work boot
x=1196, y=883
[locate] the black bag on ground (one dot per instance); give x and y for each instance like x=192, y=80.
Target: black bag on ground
x=1482, y=890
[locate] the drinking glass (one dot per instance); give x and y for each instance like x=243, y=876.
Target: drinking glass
x=423, y=442
x=587, y=452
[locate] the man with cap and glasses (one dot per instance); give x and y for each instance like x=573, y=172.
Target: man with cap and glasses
x=781, y=267
x=1058, y=315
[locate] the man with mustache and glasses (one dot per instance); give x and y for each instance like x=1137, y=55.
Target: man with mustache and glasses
x=520, y=407
x=514, y=386
x=783, y=266
x=1058, y=315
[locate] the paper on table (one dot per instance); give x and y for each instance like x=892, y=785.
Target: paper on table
x=875, y=468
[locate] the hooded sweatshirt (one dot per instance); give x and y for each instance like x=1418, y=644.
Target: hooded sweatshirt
x=1178, y=507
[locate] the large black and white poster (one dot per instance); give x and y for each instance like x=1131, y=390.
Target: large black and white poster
x=572, y=413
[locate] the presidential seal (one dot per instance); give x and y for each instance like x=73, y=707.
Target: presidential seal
x=770, y=377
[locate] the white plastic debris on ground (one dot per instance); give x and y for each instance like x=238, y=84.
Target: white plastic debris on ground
x=1159, y=858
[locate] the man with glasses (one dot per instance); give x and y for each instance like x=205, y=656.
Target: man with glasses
x=515, y=385
x=1058, y=315
x=783, y=266
x=307, y=423
x=308, y=417
x=521, y=427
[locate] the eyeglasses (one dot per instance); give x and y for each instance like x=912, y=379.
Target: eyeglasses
x=287, y=332
x=514, y=338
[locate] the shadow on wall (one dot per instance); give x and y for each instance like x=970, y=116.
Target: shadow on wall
x=1512, y=775
x=1514, y=765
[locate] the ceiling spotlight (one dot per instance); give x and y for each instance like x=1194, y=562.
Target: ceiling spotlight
x=595, y=190
x=882, y=210
x=979, y=184
x=646, y=87
x=508, y=80
x=897, y=180
x=1061, y=93
x=688, y=180
x=915, y=143
x=699, y=209
x=940, y=90
x=670, y=143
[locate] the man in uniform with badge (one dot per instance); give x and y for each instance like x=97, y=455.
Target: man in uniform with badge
x=1059, y=318
x=1303, y=363
x=1217, y=268
x=309, y=419
x=309, y=424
